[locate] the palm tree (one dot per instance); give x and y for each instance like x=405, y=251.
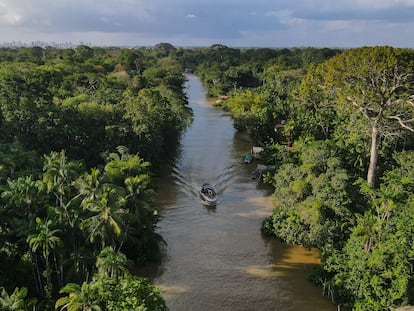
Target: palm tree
x=14, y=302
x=45, y=239
x=19, y=197
x=22, y=203
x=106, y=222
x=58, y=176
x=139, y=198
x=131, y=173
x=122, y=165
x=89, y=186
x=79, y=298
x=111, y=263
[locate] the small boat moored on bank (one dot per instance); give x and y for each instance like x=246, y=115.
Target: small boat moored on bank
x=248, y=158
x=208, y=194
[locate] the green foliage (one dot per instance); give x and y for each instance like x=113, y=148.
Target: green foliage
x=313, y=109
x=17, y=301
x=364, y=234
x=79, y=298
x=346, y=103
x=277, y=154
x=156, y=118
x=45, y=238
x=105, y=221
x=127, y=293
x=79, y=103
x=111, y=263
x=373, y=270
x=375, y=82
x=311, y=197
x=15, y=161
x=224, y=69
x=262, y=112
x=67, y=215
x=112, y=288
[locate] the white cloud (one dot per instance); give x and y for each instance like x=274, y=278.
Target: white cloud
x=241, y=22
x=9, y=16
x=284, y=17
x=383, y=4
x=341, y=25
x=11, y=19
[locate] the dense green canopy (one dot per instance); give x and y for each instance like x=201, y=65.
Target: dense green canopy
x=83, y=131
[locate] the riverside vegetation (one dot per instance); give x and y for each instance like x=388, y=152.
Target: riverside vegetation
x=83, y=132
x=79, y=128
x=338, y=126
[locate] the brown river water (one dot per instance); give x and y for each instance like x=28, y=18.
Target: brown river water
x=216, y=258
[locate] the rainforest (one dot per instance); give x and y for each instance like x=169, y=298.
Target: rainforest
x=84, y=133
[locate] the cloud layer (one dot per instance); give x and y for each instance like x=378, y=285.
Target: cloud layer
x=189, y=23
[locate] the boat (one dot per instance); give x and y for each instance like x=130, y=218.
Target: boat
x=208, y=194
x=248, y=158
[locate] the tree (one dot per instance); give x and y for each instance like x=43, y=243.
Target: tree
x=373, y=271
x=45, y=239
x=111, y=263
x=311, y=199
x=59, y=173
x=146, y=113
x=164, y=49
x=83, y=53
x=21, y=204
x=133, y=60
x=127, y=293
x=16, y=301
x=79, y=298
x=106, y=220
x=111, y=289
x=89, y=186
x=19, y=198
x=107, y=294
x=15, y=161
x=376, y=82
x=132, y=174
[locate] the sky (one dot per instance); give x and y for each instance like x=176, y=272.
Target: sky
x=186, y=23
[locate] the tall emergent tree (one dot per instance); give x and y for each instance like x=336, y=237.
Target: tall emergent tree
x=377, y=82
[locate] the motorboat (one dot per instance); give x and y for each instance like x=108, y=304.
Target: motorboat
x=208, y=194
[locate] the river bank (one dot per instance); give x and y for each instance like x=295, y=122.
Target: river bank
x=217, y=259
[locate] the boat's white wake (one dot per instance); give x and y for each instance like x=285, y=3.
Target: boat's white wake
x=190, y=182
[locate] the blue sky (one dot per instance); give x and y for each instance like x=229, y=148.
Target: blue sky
x=260, y=23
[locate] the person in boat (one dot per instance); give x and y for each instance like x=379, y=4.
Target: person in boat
x=209, y=192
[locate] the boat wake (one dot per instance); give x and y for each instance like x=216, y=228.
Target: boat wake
x=190, y=183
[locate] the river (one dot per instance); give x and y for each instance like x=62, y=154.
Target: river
x=216, y=258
